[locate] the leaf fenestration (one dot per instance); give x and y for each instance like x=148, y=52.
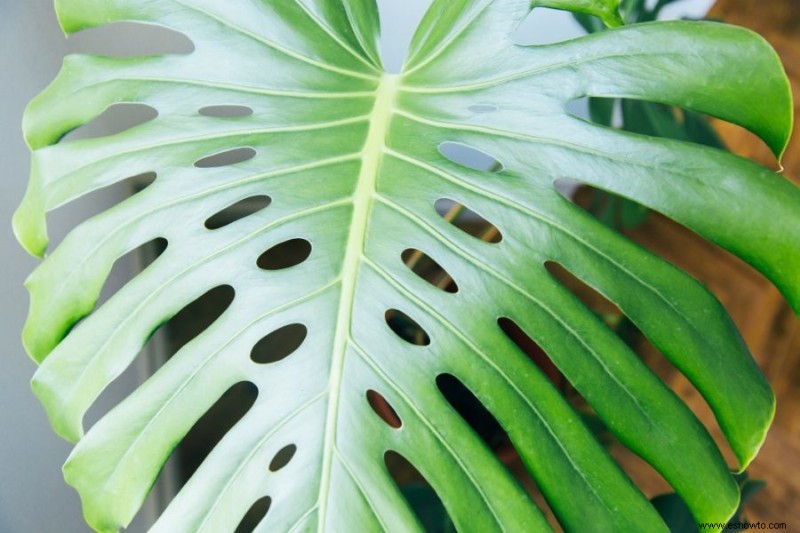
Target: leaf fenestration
x=350, y=160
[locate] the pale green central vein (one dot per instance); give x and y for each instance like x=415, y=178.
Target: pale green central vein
x=372, y=156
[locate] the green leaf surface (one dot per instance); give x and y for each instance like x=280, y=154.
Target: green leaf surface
x=350, y=158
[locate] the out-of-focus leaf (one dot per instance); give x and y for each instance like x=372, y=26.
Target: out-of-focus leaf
x=428, y=508
x=651, y=119
x=589, y=23
x=675, y=513
x=699, y=129
x=601, y=110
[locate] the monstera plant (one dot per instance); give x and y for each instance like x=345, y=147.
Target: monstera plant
x=354, y=165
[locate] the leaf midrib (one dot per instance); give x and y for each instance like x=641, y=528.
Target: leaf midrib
x=363, y=197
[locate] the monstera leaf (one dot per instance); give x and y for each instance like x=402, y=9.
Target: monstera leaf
x=354, y=162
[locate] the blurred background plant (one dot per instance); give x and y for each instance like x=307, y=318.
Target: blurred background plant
x=645, y=118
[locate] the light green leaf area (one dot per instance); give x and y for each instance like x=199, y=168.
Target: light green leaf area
x=349, y=157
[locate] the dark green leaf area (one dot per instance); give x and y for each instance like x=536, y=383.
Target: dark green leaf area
x=428, y=508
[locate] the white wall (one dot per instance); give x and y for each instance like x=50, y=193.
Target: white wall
x=33, y=497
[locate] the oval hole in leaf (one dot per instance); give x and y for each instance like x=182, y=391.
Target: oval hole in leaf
x=254, y=515
x=131, y=39
x=602, y=111
x=383, y=409
x=468, y=220
x=531, y=348
x=591, y=298
x=567, y=187
x=198, y=316
x=285, y=255
x=282, y=458
x=578, y=108
x=226, y=158
x=115, y=119
x=406, y=328
x=420, y=495
x=470, y=157
x=471, y=410
x=612, y=210
x=279, y=344
x=239, y=210
x=426, y=268
x=483, y=108
x=209, y=430
x=226, y=111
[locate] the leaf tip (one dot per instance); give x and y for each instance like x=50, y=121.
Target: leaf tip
x=54, y=407
x=29, y=221
x=779, y=107
x=68, y=14
x=30, y=232
x=96, y=515
x=745, y=456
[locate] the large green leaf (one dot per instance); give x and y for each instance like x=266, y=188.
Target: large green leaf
x=349, y=157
